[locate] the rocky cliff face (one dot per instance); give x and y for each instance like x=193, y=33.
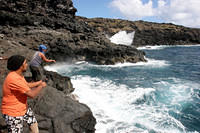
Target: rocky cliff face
x=53, y=22
x=147, y=33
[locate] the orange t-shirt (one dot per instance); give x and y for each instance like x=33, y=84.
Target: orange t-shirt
x=14, y=101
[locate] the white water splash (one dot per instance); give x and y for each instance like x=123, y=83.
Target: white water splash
x=59, y=67
x=66, y=67
x=117, y=111
x=122, y=37
x=109, y=102
x=150, y=63
x=77, y=66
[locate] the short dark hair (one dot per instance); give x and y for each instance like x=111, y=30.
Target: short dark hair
x=15, y=62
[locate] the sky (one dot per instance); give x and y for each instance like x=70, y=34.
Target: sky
x=179, y=12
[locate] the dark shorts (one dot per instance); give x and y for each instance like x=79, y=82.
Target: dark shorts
x=15, y=124
x=36, y=74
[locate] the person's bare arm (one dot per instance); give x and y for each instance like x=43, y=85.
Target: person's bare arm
x=34, y=84
x=35, y=91
x=45, y=59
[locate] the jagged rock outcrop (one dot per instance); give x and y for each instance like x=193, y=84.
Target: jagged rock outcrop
x=59, y=29
x=146, y=33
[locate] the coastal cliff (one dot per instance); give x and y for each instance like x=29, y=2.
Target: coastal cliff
x=146, y=33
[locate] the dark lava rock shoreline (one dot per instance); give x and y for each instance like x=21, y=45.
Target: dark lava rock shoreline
x=24, y=24
x=146, y=33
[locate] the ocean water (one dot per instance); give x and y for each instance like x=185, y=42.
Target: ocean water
x=160, y=96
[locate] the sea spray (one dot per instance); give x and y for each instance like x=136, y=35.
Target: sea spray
x=122, y=37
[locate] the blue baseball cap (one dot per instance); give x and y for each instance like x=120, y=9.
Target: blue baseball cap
x=42, y=47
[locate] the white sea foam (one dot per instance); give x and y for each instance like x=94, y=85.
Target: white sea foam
x=66, y=67
x=109, y=102
x=52, y=68
x=59, y=67
x=116, y=109
x=122, y=37
x=159, y=47
x=148, y=47
x=188, y=45
x=150, y=62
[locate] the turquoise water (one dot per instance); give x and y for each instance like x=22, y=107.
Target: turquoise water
x=160, y=96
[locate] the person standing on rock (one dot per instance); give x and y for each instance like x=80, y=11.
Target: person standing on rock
x=36, y=61
x=16, y=90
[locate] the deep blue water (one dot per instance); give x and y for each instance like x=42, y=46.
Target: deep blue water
x=185, y=66
x=160, y=96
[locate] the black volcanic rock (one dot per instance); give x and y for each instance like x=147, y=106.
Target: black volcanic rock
x=146, y=33
x=39, y=7
x=53, y=22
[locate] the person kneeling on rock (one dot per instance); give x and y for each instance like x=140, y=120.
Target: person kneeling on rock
x=36, y=61
x=16, y=90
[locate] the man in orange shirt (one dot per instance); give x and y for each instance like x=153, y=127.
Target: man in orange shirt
x=14, y=105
